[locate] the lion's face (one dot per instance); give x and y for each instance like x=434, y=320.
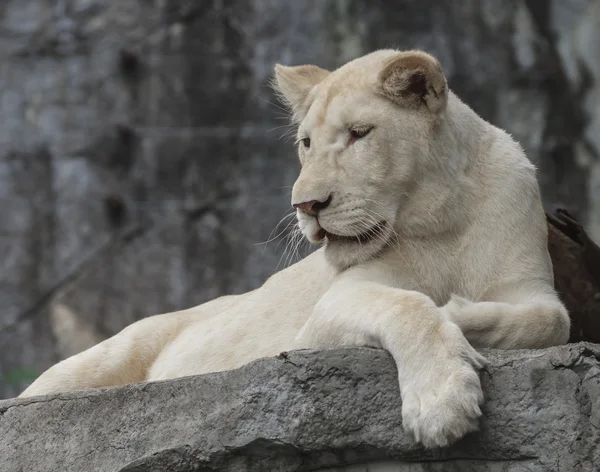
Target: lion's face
x=364, y=134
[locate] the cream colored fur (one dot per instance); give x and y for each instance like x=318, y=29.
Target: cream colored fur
x=459, y=261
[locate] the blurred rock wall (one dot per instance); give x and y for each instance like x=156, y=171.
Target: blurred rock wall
x=142, y=159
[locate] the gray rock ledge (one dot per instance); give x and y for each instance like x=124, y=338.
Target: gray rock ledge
x=335, y=410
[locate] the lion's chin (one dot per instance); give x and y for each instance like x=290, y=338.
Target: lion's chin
x=346, y=251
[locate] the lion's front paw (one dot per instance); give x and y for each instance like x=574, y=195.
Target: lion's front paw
x=441, y=403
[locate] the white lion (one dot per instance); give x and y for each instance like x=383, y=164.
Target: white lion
x=434, y=237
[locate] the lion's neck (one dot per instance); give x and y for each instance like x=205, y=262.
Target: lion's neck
x=444, y=198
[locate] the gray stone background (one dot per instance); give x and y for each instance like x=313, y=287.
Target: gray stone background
x=142, y=161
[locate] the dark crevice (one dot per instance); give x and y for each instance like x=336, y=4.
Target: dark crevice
x=115, y=209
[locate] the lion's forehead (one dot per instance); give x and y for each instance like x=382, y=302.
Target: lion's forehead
x=341, y=107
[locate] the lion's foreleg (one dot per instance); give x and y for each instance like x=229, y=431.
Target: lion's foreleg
x=436, y=365
x=513, y=321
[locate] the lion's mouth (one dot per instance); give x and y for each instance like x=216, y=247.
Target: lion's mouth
x=373, y=233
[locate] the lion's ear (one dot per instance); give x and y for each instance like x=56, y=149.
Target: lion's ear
x=293, y=84
x=414, y=79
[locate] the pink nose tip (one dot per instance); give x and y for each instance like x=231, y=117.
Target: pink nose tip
x=312, y=207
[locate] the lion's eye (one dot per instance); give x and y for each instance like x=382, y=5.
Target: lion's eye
x=306, y=142
x=358, y=133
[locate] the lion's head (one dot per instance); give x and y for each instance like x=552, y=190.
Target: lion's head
x=370, y=148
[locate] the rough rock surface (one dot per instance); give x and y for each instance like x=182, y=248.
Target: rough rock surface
x=308, y=410
x=140, y=159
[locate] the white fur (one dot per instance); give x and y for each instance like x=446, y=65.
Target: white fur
x=463, y=255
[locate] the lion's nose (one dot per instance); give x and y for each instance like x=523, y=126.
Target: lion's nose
x=313, y=207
